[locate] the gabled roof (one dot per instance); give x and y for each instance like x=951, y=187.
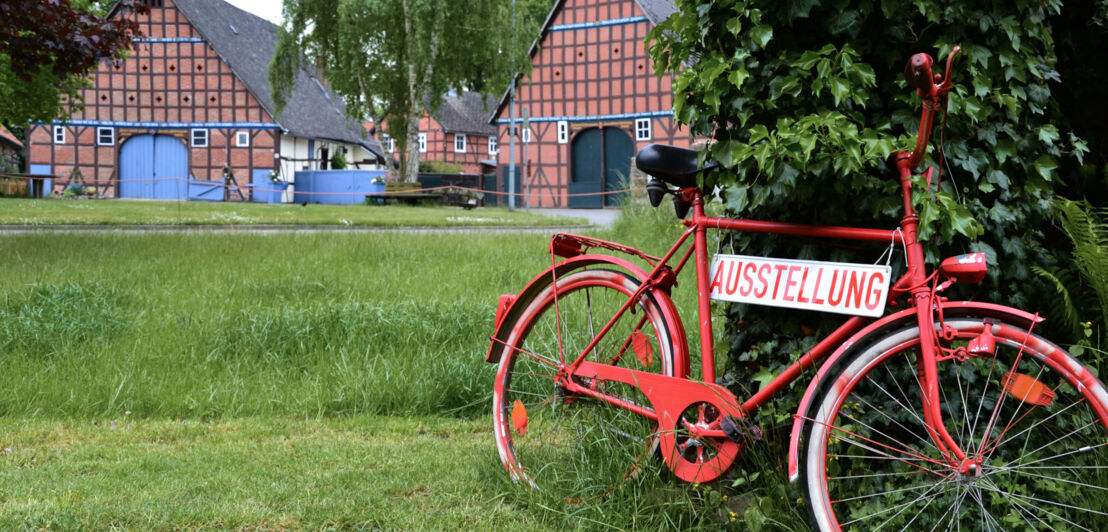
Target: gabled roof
x=466, y=114
x=8, y=138
x=655, y=11
x=247, y=43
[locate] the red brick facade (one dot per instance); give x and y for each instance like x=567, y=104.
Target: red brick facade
x=589, y=70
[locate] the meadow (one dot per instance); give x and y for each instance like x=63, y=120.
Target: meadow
x=295, y=381
x=51, y=212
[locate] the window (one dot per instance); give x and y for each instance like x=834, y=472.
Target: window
x=242, y=139
x=459, y=143
x=642, y=129
x=563, y=132
x=199, y=138
x=388, y=143
x=527, y=135
x=493, y=150
x=422, y=143
x=59, y=135
x=105, y=136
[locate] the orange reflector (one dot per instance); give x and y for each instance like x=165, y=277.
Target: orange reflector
x=643, y=350
x=1025, y=388
x=519, y=417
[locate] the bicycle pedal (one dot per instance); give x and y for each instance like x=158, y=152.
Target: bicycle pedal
x=739, y=430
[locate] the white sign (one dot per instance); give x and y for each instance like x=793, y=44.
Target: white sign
x=842, y=288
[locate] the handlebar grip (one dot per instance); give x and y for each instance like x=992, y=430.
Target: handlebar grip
x=918, y=74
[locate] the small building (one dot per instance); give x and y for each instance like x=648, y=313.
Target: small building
x=593, y=101
x=191, y=104
x=458, y=134
x=10, y=148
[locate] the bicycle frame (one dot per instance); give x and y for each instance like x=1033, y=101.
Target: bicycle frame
x=914, y=284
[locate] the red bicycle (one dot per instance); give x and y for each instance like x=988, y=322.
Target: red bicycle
x=943, y=415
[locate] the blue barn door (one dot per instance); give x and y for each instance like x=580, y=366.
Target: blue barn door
x=153, y=167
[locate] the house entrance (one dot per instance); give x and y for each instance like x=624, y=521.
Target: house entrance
x=154, y=167
x=601, y=163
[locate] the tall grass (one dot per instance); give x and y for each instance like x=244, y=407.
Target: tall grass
x=235, y=325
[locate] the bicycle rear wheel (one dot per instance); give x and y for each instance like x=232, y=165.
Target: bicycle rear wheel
x=552, y=439
x=1029, y=417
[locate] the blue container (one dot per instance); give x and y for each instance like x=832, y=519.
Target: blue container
x=267, y=191
x=337, y=187
x=200, y=190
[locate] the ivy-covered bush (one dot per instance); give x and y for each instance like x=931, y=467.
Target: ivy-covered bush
x=806, y=103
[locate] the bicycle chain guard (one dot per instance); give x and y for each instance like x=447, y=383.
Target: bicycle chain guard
x=689, y=413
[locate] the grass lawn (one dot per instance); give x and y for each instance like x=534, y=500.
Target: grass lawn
x=265, y=473
x=120, y=212
x=293, y=381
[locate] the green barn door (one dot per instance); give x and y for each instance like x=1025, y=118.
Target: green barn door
x=588, y=170
x=618, y=151
x=601, y=162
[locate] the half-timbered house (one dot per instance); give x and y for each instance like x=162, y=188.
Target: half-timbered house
x=457, y=133
x=593, y=101
x=190, y=106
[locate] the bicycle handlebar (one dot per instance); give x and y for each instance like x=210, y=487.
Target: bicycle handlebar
x=919, y=76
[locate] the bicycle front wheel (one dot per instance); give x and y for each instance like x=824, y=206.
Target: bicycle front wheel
x=550, y=438
x=1029, y=417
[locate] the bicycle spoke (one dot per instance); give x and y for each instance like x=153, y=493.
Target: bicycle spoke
x=1060, y=438
x=918, y=457
x=884, y=493
x=902, y=507
x=985, y=449
x=875, y=431
x=1056, y=479
x=1028, y=499
x=952, y=512
x=890, y=418
x=1040, y=422
x=1008, y=494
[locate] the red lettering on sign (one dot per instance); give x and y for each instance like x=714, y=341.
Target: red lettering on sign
x=777, y=282
x=717, y=281
x=733, y=277
x=750, y=267
x=875, y=293
x=800, y=295
x=831, y=297
x=762, y=271
x=815, y=298
x=789, y=283
x=855, y=289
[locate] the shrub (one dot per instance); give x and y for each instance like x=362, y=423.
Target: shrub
x=805, y=104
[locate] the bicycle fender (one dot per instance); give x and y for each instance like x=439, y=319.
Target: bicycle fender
x=509, y=316
x=896, y=320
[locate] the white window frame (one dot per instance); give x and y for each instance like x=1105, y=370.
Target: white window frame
x=422, y=142
x=459, y=143
x=643, y=129
x=199, y=138
x=242, y=139
x=389, y=143
x=59, y=134
x=563, y=132
x=105, y=136
x=527, y=135
x=493, y=148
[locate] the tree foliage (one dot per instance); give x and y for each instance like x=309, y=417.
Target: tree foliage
x=48, y=48
x=392, y=59
x=805, y=102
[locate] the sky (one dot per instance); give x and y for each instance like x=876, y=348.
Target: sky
x=267, y=9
